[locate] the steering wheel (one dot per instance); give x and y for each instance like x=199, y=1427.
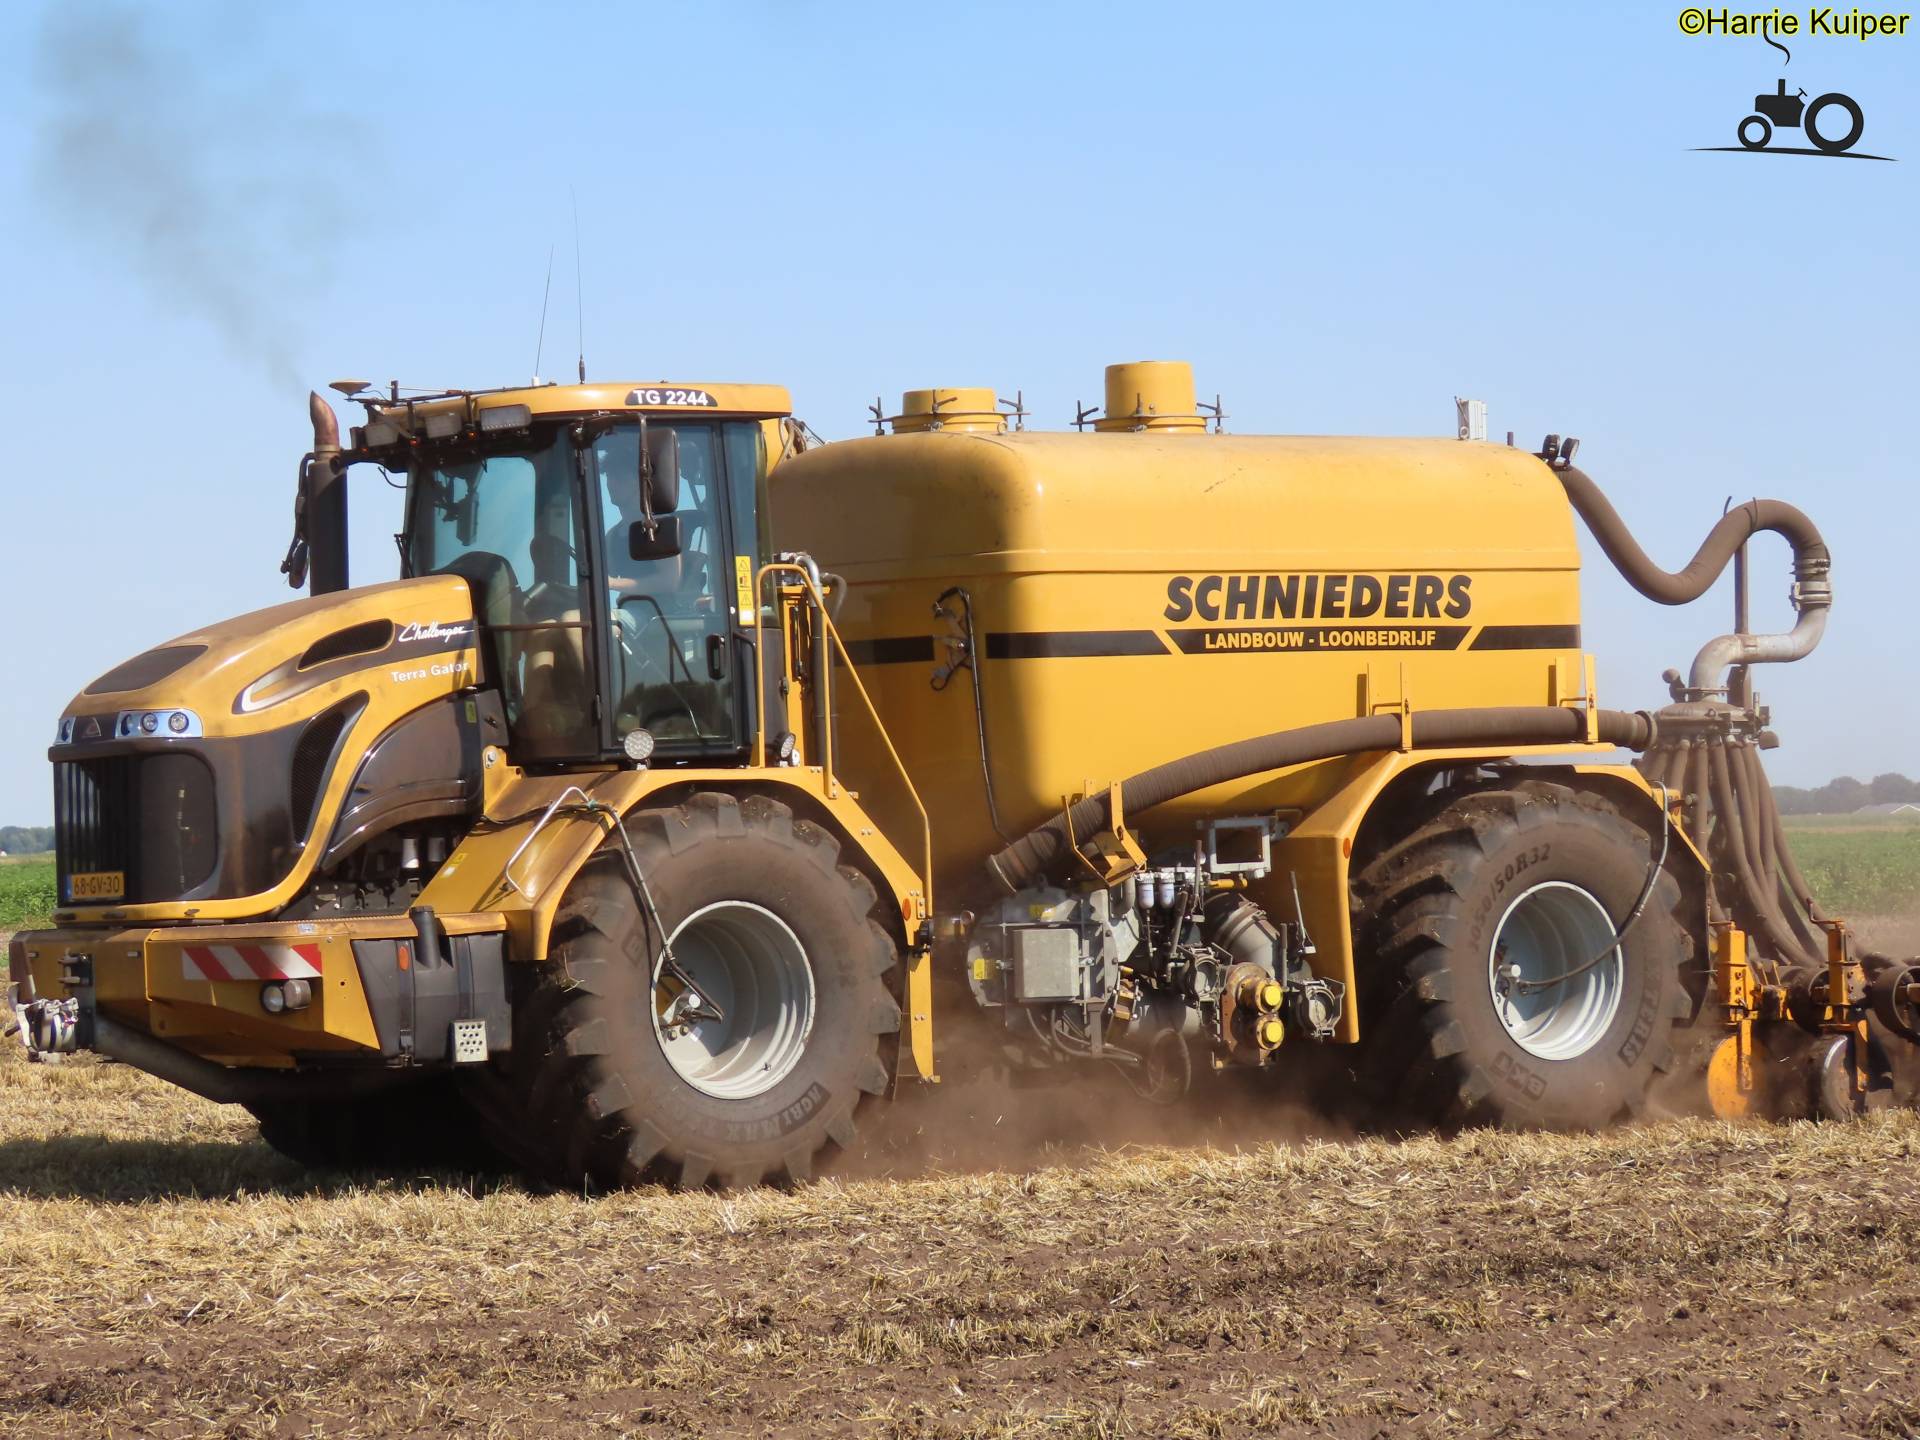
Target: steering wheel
x=626, y=631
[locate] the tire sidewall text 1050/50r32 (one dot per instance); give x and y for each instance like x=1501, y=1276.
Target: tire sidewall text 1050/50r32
x=1547, y=870
x=590, y=1095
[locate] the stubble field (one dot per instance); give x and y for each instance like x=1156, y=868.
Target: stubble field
x=993, y=1265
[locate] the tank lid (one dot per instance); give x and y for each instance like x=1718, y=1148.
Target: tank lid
x=1153, y=395
x=970, y=409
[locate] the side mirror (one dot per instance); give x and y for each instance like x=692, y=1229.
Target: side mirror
x=663, y=543
x=662, y=470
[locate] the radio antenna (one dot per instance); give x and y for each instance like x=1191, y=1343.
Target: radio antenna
x=540, y=344
x=579, y=288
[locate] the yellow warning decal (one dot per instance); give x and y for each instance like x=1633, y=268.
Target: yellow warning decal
x=743, y=586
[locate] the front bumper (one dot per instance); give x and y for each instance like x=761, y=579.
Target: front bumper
x=198, y=988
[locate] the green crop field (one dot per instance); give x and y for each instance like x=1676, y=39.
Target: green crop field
x=1859, y=866
x=26, y=891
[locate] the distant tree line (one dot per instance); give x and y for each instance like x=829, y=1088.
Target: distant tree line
x=25, y=839
x=1845, y=795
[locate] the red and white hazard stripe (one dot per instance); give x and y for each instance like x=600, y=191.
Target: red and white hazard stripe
x=251, y=962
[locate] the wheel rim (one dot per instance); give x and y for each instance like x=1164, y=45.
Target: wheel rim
x=743, y=1025
x=1549, y=932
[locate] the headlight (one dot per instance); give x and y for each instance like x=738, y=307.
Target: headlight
x=279, y=996
x=175, y=724
x=495, y=418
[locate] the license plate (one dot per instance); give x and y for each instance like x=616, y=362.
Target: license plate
x=96, y=885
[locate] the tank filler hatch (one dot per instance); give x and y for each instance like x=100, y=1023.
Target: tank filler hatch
x=1152, y=395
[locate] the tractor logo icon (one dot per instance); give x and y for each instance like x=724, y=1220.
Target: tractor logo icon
x=1821, y=121
x=1791, y=112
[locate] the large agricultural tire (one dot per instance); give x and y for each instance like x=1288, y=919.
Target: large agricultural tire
x=425, y=1124
x=1546, y=873
x=600, y=1089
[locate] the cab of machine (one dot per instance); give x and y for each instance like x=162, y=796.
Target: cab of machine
x=610, y=534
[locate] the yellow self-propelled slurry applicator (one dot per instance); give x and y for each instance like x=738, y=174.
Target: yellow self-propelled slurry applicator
x=607, y=836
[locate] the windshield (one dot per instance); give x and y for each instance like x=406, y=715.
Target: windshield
x=508, y=522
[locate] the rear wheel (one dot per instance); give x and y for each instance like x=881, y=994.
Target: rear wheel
x=1834, y=145
x=1497, y=993
x=737, y=1051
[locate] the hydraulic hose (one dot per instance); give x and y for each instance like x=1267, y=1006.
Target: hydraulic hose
x=1757, y=798
x=1036, y=853
x=1733, y=815
x=1760, y=898
x=1812, y=565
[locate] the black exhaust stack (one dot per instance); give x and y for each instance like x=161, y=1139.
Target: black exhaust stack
x=324, y=502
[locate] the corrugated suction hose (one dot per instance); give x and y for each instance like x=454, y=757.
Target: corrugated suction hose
x=1036, y=854
x=1812, y=566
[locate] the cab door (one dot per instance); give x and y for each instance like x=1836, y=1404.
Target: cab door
x=676, y=643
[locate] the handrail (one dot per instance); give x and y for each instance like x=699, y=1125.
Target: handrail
x=826, y=743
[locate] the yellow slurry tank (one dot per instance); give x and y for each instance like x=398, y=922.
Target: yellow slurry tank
x=1151, y=591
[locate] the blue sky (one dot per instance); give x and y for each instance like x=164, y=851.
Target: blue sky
x=1342, y=216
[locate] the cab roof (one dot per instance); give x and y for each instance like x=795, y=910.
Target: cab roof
x=640, y=396
x=451, y=413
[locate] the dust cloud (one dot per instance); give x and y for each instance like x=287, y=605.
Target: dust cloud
x=982, y=1120
x=195, y=168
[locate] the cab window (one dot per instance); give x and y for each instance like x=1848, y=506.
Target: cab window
x=508, y=523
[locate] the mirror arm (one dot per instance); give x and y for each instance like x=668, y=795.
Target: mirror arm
x=646, y=483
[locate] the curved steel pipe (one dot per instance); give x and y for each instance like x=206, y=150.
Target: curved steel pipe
x=1710, y=666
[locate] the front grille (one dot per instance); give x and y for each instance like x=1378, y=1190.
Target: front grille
x=148, y=817
x=92, y=818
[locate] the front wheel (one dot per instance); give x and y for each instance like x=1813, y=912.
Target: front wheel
x=735, y=1052
x=422, y=1123
x=1755, y=131
x=1501, y=989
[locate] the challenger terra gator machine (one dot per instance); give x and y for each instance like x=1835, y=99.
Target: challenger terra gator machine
x=610, y=834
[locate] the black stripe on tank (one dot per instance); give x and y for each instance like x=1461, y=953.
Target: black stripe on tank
x=1071, y=644
x=1527, y=637
x=890, y=650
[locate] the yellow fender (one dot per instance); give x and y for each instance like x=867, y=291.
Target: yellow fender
x=538, y=831
x=1319, y=850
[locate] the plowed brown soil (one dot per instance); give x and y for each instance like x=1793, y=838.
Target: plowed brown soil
x=163, y=1274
